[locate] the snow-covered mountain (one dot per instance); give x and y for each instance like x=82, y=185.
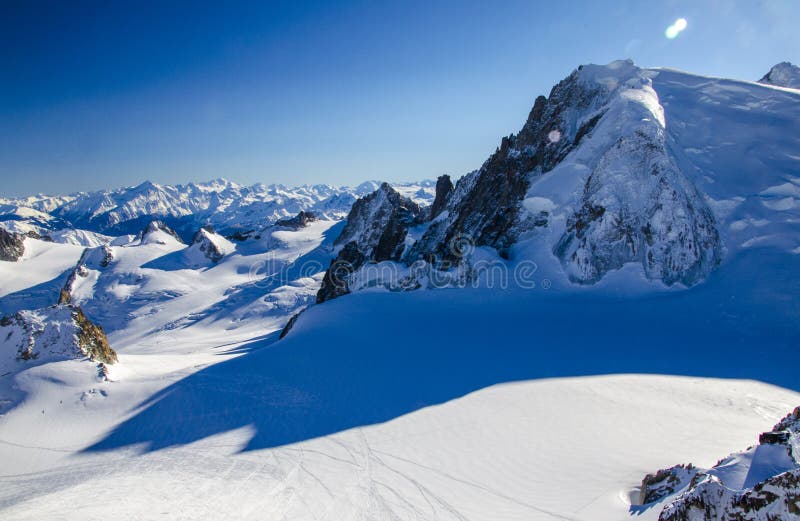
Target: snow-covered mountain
x=619, y=166
x=613, y=291
x=225, y=205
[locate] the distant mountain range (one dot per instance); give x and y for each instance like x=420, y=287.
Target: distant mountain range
x=226, y=205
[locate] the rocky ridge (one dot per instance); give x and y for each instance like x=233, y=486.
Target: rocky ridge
x=12, y=246
x=770, y=490
x=635, y=206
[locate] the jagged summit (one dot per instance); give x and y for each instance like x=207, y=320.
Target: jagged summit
x=59, y=332
x=376, y=231
x=208, y=245
x=784, y=74
x=631, y=204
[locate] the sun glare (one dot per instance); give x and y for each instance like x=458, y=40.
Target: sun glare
x=676, y=28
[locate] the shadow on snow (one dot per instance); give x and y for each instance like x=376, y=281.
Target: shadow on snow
x=370, y=357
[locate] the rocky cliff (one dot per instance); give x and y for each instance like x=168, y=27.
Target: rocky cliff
x=12, y=246
x=376, y=230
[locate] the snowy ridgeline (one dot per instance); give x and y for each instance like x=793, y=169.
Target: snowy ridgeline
x=89, y=219
x=642, y=221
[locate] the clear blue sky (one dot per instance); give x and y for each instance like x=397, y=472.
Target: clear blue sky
x=104, y=94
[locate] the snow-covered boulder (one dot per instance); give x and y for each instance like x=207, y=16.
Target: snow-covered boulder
x=12, y=246
x=783, y=74
x=60, y=332
x=208, y=246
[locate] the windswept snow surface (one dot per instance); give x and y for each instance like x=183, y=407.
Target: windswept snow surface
x=491, y=403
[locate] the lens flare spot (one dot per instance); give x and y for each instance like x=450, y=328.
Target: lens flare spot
x=554, y=136
x=676, y=28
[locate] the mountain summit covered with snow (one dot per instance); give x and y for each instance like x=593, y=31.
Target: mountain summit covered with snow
x=618, y=167
x=228, y=206
x=612, y=291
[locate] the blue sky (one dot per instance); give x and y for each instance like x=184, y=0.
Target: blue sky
x=104, y=94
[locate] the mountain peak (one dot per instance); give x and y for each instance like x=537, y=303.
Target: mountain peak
x=784, y=74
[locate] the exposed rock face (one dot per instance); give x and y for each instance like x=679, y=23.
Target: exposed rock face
x=301, y=220
x=12, y=246
x=777, y=498
x=444, y=187
x=791, y=423
x=770, y=491
x=376, y=231
x=485, y=206
x=665, y=482
x=211, y=245
x=289, y=325
x=783, y=74
x=58, y=332
x=91, y=339
x=634, y=205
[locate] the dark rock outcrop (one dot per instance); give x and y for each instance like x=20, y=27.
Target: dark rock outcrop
x=289, y=325
x=91, y=258
x=209, y=243
x=784, y=74
x=485, y=207
x=301, y=220
x=777, y=498
x=444, y=187
x=91, y=339
x=12, y=246
x=665, y=482
x=376, y=230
